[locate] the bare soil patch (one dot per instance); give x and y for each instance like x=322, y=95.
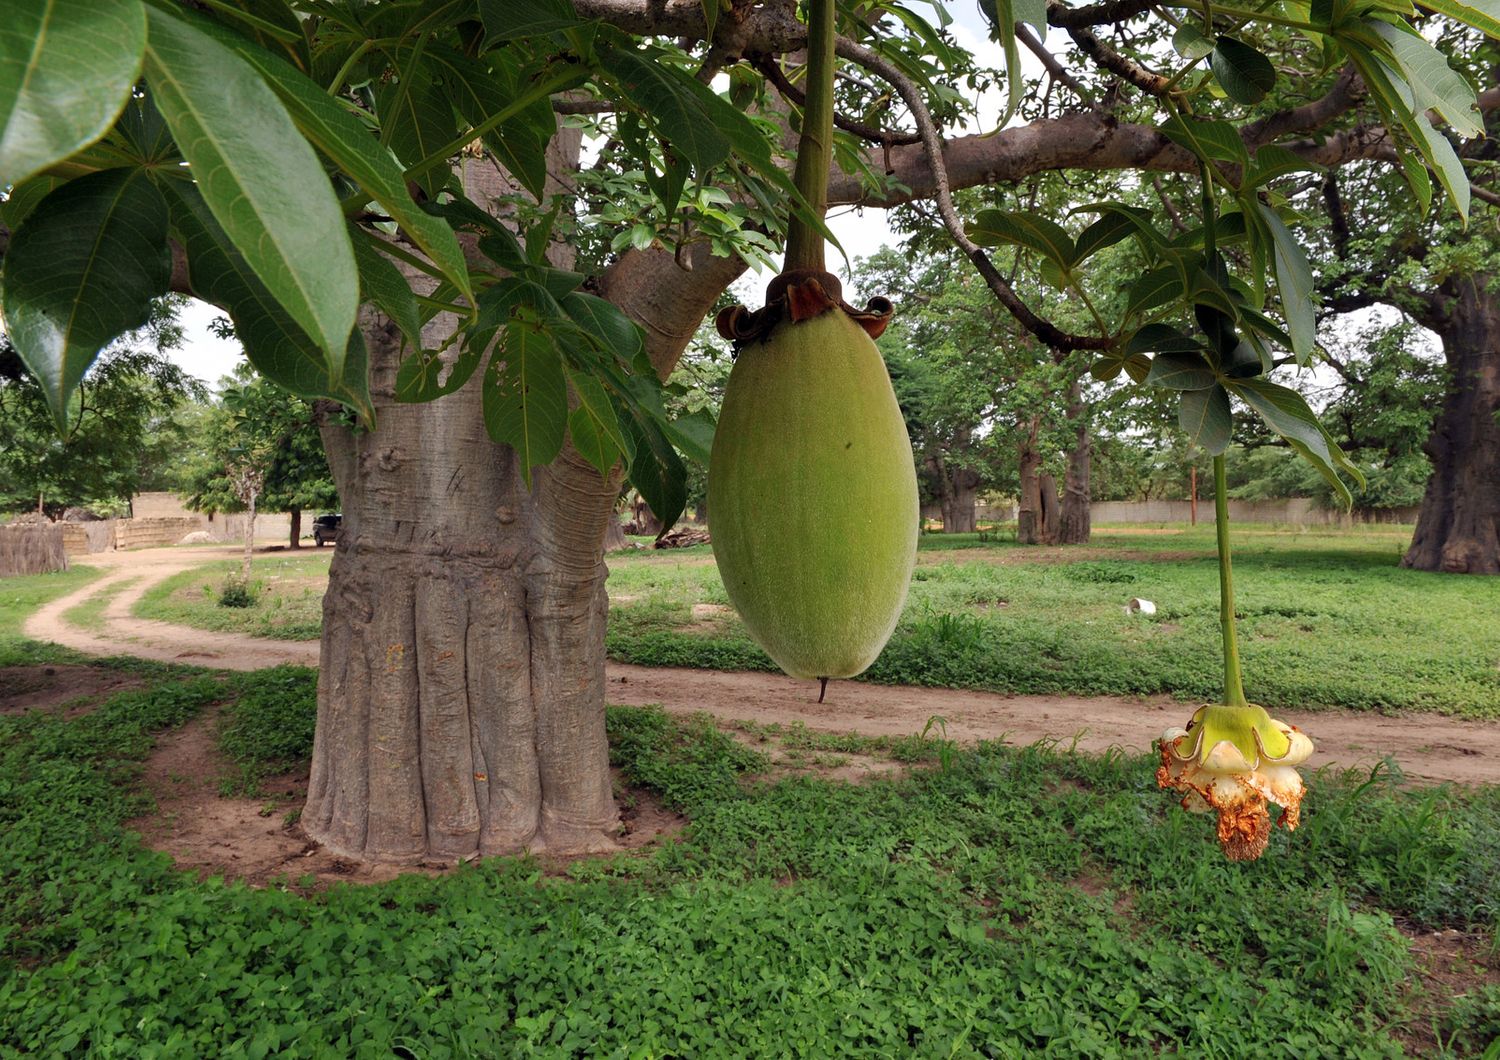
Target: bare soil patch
x=1421, y=744
x=258, y=841
x=75, y=690
x=1450, y=963
x=1429, y=748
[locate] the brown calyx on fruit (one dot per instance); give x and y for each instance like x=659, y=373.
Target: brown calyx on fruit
x=798, y=295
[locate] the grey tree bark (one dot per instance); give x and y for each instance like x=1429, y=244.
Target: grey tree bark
x=461, y=692
x=1458, y=525
x=958, y=491
x=1074, y=524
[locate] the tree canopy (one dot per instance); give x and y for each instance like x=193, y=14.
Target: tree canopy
x=348, y=120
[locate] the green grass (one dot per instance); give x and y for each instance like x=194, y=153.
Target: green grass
x=22, y=595
x=288, y=591
x=90, y=614
x=1018, y=902
x=1328, y=619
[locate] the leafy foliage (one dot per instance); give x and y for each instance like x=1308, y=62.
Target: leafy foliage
x=1022, y=897
x=123, y=436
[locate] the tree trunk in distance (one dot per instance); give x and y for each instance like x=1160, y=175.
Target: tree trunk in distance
x=461, y=684
x=614, y=534
x=1458, y=525
x=1051, y=508
x=296, y=541
x=960, y=492
x=646, y=521
x=1074, y=524
x=249, y=537
x=1030, y=515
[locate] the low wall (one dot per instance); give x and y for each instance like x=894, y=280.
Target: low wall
x=81, y=539
x=1299, y=511
x=149, y=533
x=31, y=549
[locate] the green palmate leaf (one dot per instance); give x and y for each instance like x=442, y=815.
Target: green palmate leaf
x=1110, y=229
x=710, y=15
x=591, y=442
x=1003, y=28
x=260, y=178
x=24, y=198
x=1394, y=98
x=1138, y=217
x=417, y=122
x=593, y=398
x=611, y=329
x=81, y=269
x=1155, y=288
x=511, y=19
x=1191, y=42
x=672, y=99
x=1483, y=15
x=1210, y=140
x=480, y=92
x=353, y=148
x=381, y=282
x=1162, y=338
x=1285, y=411
x=1294, y=279
x=1417, y=178
x=655, y=469
x=1047, y=238
x=1243, y=72
x=1272, y=162
x=1205, y=416
x=526, y=397
x=66, y=67
x=429, y=374
x=1181, y=371
x=1444, y=161
x=693, y=435
x=278, y=348
x=1435, y=85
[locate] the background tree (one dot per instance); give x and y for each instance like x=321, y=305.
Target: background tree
x=124, y=434
x=255, y=416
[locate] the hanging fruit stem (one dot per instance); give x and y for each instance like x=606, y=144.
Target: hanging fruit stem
x=1234, y=689
x=804, y=245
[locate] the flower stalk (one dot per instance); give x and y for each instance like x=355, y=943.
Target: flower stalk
x=1233, y=758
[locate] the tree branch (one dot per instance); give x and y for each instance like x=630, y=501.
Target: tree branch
x=932, y=144
x=769, y=67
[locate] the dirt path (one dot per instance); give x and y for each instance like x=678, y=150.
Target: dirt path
x=1428, y=747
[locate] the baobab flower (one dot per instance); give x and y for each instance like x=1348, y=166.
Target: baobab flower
x=1234, y=760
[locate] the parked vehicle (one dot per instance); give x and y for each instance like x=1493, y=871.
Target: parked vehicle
x=326, y=528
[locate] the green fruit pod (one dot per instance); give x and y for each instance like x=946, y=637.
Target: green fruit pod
x=813, y=496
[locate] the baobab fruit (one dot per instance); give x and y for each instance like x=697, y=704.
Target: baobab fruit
x=813, y=492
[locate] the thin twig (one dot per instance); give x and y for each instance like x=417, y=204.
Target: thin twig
x=1045, y=330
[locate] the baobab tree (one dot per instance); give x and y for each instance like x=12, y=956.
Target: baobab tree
x=383, y=200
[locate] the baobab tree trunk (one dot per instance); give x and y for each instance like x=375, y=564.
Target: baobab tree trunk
x=1037, y=509
x=1074, y=524
x=461, y=685
x=1458, y=525
x=461, y=692
x=958, y=492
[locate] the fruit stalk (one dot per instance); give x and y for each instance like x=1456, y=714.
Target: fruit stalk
x=804, y=244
